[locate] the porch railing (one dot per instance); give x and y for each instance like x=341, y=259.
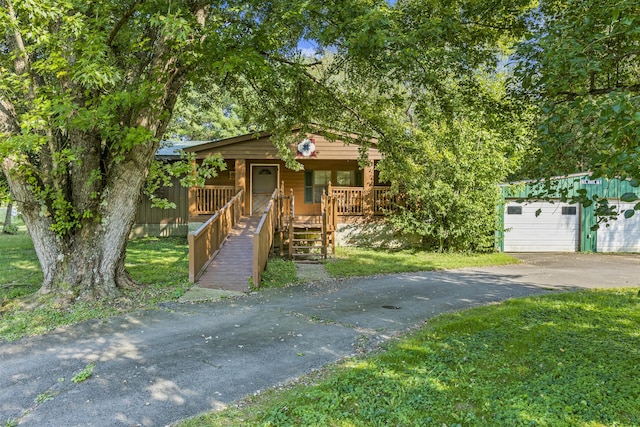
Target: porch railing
x=206, y=240
x=383, y=200
x=349, y=200
x=211, y=198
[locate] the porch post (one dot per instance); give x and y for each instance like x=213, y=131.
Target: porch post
x=368, y=201
x=241, y=183
x=192, y=194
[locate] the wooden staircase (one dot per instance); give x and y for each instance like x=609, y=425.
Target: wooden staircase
x=309, y=242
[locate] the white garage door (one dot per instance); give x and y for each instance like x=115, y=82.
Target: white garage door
x=555, y=229
x=623, y=234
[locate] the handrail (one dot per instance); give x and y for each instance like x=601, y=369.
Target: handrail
x=207, y=240
x=329, y=208
x=263, y=238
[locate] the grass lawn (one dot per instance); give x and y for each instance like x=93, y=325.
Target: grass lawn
x=568, y=359
x=160, y=265
x=351, y=261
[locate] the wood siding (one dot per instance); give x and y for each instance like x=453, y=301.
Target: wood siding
x=159, y=222
x=262, y=148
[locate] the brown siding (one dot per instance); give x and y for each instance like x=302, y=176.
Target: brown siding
x=152, y=221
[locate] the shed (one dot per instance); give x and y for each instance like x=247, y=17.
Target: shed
x=527, y=224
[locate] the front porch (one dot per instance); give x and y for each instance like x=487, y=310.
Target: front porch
x=350, y=202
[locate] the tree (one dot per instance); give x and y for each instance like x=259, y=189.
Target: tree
x=423, y=79
x=87, y=90
x=580, y=65
x=205, y=112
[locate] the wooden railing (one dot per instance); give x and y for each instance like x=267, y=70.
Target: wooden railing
x=263, y=236
x=211, y=198
x=329, y=223
x=349, y=200
x=206, y=240
x=384, y=201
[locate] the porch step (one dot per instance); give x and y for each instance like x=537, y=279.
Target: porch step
x=307, y=244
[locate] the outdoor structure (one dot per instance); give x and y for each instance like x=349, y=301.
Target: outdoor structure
x=258, y=206
x=556, y=226
x=255, y=166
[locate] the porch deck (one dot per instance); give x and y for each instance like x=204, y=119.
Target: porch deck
x=233, y=265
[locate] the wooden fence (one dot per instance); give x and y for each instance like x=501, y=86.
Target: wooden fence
x=206, y=241
x=153, y=221
x=210, y=198
x=330, y=206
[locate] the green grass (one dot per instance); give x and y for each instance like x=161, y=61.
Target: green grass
x=568, y=359
x=279, y=273
x=160, y=265
x=351, y=261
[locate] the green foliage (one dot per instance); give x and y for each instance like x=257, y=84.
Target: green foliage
x=84, y=374
x=279, y=273
x=162, y=174
x=352, y=261
x=558, y=360
x=580, y=64
x=204, y=112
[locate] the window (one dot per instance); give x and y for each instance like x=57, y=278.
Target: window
x=568, y=210
x=321, y=180
x=315, y=181
x=344, y=178
x=514, y=210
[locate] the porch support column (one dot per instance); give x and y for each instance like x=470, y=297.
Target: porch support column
x=241, y=183
x=191, y=200
x=368, y=190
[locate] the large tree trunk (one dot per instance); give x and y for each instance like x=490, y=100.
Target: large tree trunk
x=88, y=262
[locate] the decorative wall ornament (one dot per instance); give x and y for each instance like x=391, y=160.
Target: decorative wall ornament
x=307, y=148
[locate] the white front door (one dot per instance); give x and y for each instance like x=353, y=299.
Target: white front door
x=554, y=229
x=264, y=179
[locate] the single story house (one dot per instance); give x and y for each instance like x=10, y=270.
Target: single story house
x=254, y=165
x=556, y=226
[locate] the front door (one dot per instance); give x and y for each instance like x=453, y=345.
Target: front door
x=264, y=179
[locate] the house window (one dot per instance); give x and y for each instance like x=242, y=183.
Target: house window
x=514, y=210
x=344, y=178
x=569, y=210
x=315, y=181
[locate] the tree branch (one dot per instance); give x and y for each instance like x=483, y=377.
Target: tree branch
x=570, y=96
x=122, y=21
x=289, y=62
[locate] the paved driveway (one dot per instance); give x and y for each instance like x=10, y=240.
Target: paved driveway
x=160, y=366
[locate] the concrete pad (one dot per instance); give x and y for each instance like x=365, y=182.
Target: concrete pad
x=308, y=272
x=197, y=294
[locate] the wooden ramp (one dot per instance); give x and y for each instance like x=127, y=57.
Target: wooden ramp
x=232, y=266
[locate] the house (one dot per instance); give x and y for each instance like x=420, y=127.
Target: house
x=559, y=226
x=254, y=165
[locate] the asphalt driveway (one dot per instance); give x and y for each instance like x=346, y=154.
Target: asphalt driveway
x=157, y=367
